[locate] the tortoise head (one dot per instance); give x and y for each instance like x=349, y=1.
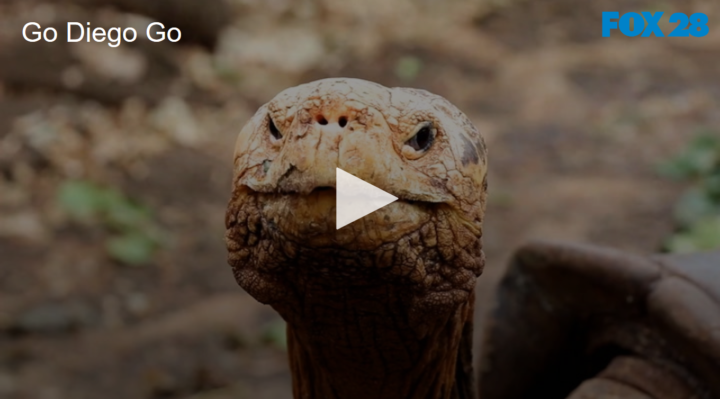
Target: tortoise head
x=414, y=261
x=410, y=143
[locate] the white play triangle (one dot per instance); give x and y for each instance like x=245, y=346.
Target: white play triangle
x=357, y=198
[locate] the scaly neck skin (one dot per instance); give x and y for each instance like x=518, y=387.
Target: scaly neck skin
x=361, y=343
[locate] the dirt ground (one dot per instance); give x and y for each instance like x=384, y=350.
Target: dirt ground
x=576, y=125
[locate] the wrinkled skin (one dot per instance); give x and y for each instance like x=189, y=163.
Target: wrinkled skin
x=381, y=308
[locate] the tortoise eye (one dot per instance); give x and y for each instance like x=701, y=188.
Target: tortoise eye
x=274, y=131
x=423, y=139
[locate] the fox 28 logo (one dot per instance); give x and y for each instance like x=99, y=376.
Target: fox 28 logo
x=695, y=25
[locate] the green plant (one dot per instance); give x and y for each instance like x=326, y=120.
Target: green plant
x=132, y=239
x=274, y=334
x=408, y=68
x=697, y=213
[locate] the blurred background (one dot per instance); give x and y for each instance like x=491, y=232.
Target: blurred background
x=115, y=164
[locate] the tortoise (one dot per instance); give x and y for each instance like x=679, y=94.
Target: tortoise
x=383, y=307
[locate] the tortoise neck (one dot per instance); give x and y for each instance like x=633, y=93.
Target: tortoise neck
x=369, y=349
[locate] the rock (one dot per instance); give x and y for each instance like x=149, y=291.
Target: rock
x=25, y=225
x=121, y=64
x=175, y=118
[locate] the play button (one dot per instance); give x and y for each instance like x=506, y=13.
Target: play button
x=357, y=198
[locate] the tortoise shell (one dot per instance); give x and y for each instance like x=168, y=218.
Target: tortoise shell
x=590, y=322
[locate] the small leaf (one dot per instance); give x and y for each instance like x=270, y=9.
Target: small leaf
x=80, y=199
x=706, y=139
x=121, y=212
x=502, y=199
x=681, y=243
x=711, y=185
x=695, y=205
x=702, y=157
x=680, y=168
x=275, y=334
x=133, y=248
x=703, y=235
x=408, y=68
x=703, y=154
x=698, y=210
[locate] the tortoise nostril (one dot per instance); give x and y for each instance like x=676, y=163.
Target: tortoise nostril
x=321, y=120
x=342, y=121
